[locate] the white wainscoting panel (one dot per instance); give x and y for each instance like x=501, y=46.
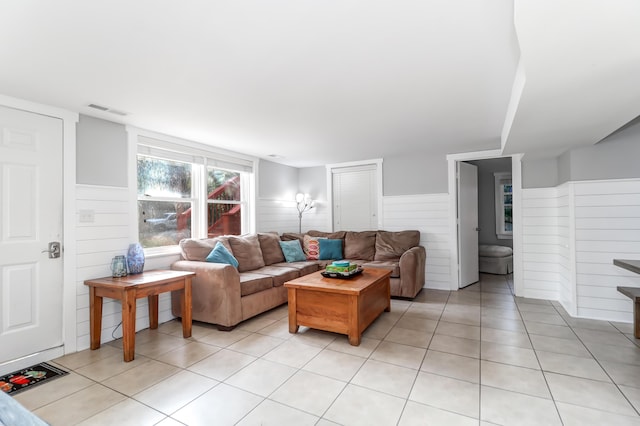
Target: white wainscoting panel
x=97, y=243
x=428, y=214
x=607, y=226
x=543, y=243
x=566, y=248
x=282, y=216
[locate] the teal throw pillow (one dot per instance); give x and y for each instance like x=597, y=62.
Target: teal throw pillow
x=330, y=249
x=220, y=254
x=292, y=251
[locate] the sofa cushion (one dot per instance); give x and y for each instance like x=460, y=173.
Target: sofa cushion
x=199, y=249
x=391, y=245
x=389, y=265
x=291, y=236
x=247, y=250
x=270, y=246
x=311, y=247
x=292, y=251
x=360, y=245
x=220, y=254
x=251, y=282
x=338, y=235
x=330, y=249
x=304, y=267
x=279, y=274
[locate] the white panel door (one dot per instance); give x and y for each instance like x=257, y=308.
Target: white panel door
x=30, y=218
x=468, y=223
x=355, y=205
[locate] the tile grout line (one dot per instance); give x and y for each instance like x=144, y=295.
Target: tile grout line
x=426, y=352
x=542, y=371
x=484, y=304
x=599, y=364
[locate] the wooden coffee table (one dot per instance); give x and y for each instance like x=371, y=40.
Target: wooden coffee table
x=346, y=306
x=127, y=289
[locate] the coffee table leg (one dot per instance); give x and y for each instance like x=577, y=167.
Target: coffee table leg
x=388, y=297
x=293, y=320
x=354, y=332
x=128, y=324
x=354, y=338
x=95, y=317
x=185, y=296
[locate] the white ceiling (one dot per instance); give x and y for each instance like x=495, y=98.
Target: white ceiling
x=328, y=81
x=581, y=61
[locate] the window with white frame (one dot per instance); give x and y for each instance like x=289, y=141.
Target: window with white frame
x=184, y=192
x=504, y=205
x=165, y=201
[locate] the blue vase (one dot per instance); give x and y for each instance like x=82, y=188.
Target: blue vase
x=135, y=258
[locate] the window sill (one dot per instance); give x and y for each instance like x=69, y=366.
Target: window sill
x=159, y=252
x=504, y=236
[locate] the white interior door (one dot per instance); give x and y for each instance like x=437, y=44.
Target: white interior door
x=30, y=218
x=355, y=203
x=468, y=223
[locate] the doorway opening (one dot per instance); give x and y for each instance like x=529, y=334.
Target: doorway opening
x=497, y=224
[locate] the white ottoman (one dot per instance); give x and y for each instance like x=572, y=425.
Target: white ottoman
x=495, y=259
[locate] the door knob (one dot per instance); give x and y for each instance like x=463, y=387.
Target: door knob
x=54, y=250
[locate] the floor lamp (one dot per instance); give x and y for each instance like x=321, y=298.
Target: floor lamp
x=303, y=203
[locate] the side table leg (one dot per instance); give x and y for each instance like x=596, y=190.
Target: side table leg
x=95, y=318
x=128, y=324
x=153, y=311
x=186, y=308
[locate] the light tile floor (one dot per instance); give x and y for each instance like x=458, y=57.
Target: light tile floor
x=478, y=356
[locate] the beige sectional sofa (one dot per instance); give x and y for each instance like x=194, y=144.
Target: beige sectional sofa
x=225, y=295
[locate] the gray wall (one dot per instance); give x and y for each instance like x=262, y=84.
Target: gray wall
x=540, y=173
x=486, y=199
x=564, y=168
x=616, y=157
x=402, y=175
x=102, y=154
x=101, y=150
x=419, y=174
x=313, y=181
x=277, y=181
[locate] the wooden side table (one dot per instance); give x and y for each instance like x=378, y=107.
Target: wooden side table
x=127, y=289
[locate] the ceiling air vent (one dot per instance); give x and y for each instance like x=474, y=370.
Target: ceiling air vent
x=107, y=109
x=100, y=107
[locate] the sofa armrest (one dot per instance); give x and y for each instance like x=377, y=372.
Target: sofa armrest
x=215, y=292
x=412, y=268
